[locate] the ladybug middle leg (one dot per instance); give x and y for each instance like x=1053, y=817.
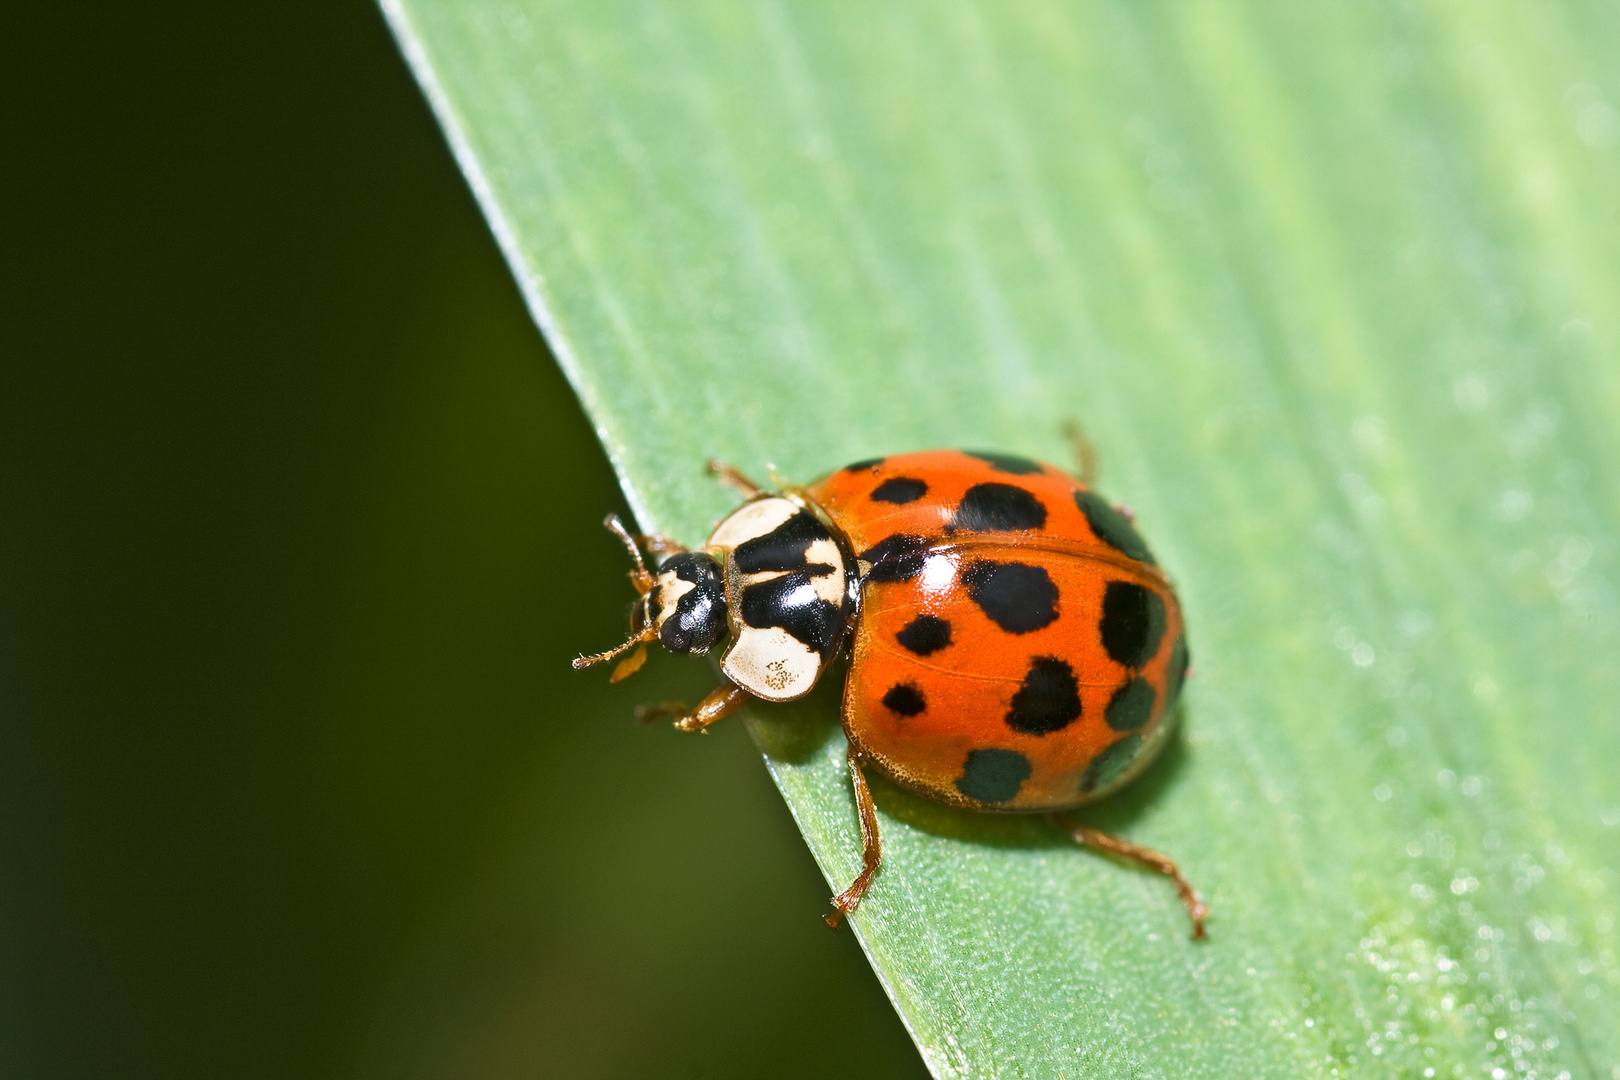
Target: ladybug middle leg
x=871, y=846
x=1156, y=861
x=729, y=474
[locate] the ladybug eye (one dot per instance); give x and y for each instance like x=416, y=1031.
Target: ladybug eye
x=689, y=603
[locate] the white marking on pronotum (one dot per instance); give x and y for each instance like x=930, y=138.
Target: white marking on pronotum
x=830, y=587
x=771, y=663
x=751, y=521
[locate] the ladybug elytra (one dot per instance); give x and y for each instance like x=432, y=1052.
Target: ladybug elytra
x=1013, y=644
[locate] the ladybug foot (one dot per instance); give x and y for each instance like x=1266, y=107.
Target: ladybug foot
x=1156, y=861
x=660, y=710
x=847, y=901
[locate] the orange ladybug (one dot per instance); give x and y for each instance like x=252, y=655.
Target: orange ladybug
x=1013, y=644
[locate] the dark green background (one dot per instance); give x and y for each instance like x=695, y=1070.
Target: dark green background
x=298, y=530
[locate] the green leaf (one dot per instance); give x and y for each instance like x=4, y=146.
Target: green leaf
x=1332, y=287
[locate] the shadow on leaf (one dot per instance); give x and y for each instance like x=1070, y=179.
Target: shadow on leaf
x=795, y=731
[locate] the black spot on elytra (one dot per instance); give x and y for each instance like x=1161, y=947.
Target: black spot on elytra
x=783, y=547
x=791, y=603
x=899, y=490
x=904, y=699
x=1131, y=706
x=1048, y=700
x=1007, y=463
x=897, y=558
x=1107, y=766
x=998, y=508
x=1132, y=623
x=1176, y=673
x=993, y=776
x=1111, y=528
x=1016, y=596
x=925, y=634
x=862, y=466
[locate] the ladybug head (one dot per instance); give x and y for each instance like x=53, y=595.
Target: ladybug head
x=682, y=606
x=688, y=603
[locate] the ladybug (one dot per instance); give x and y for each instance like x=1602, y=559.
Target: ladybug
x=1013, y=645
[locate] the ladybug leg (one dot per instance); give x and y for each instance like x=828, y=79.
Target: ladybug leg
x=659, y=545
x=721, y=702
x=729, y=475
x=1146, y=857
x=871, y=846
x=1085, y=455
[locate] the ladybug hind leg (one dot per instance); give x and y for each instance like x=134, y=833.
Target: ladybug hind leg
x=1156, y=861
x=1085, y=455
x=871, y=846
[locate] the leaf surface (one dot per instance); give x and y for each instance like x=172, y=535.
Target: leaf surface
x=1333, y=290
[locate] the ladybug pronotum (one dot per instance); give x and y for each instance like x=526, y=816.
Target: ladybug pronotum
x=1013, y=644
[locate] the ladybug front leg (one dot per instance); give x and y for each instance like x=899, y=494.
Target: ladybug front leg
x=656, y=544
x=1156, y=861
x=721, y=702
x=871, y=847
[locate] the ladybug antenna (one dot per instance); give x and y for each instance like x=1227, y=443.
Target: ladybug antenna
x=646, y=635
x=639, y=577
x=643, y=629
